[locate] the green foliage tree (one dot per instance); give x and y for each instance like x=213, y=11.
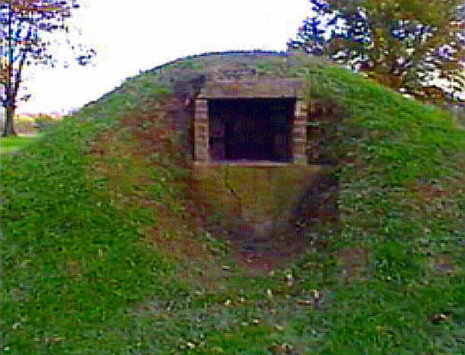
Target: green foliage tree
x=25, y=28
x=400, y=43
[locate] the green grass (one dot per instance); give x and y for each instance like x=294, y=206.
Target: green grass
x=12, y=144
x=80, y=275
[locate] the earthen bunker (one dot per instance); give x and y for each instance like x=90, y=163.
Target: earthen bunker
x=249, y=129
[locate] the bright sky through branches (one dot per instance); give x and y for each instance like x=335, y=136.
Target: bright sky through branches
x=139, y=34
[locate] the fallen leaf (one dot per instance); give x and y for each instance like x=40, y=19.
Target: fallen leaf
x=305, y=302
x=283, y=348
x=440, y=317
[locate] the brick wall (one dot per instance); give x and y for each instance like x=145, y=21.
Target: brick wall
x=299, y=133
x=201, y=131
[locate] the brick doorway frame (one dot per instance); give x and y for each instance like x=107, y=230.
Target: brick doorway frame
x=298, y=132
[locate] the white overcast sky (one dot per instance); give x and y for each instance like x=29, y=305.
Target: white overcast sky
x=139, y=34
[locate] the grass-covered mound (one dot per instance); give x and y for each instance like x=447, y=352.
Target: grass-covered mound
x=100, y=253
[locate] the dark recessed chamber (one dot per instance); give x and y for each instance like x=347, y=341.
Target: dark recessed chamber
x=250, y=129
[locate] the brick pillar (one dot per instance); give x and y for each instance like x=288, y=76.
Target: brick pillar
x=299, y=133
x=201, y=131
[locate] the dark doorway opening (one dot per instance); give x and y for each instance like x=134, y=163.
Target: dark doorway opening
x=250, y=129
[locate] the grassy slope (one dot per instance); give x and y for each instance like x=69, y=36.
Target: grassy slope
x=389, y=207
x=79, y=274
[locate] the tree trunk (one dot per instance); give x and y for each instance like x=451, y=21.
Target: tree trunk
x=9, y=125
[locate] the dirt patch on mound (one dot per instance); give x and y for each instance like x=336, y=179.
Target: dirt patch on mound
x=353, y=264
x=267, y=231
x=265, y=218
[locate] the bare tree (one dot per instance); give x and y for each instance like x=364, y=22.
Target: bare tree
x=25, y=28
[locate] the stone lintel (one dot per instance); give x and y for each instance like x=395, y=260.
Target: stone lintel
x=267, y=87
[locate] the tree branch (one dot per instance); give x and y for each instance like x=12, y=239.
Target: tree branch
x=18, y=75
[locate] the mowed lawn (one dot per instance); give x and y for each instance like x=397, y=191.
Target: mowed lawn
x=14, y=143
x=99, y=255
